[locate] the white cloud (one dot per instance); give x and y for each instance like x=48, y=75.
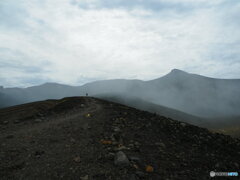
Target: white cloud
x=116, y=42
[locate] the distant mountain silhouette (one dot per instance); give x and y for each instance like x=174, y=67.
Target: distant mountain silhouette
x=190, y=93
x=195, y=94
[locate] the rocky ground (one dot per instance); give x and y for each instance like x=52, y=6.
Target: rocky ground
x=87, y=138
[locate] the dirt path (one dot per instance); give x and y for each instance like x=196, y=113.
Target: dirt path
x=30, y=145
x=90, y=107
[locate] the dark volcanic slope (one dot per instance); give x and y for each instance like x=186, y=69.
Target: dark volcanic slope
x=79, y=137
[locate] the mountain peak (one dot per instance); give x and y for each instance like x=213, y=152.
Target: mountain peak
x=175, y=71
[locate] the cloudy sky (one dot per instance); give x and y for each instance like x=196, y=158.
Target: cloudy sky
x=77, y=41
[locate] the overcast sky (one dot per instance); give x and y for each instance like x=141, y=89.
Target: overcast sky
x=77, y=41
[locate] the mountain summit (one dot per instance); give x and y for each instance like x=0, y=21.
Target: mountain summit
x=179, y=74
x=177, y=71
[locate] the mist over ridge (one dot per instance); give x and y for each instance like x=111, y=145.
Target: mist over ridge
x=190, y=93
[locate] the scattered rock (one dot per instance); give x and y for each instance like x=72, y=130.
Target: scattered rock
x=72, y=140
x=5, y=122
x=16, y=121
x=183, y=124
x=120, y=148
x=99, y=176
x=137, y=144
x=135, y=166
x=38, y=120
x=106, y=142
x=117, y=137
x=149, y=168
x=132, y=177
x=77, y=159
x=160, y=144
x=40, y=114
x=140, y=174
x=121, y=159
x=135, y=159
x=131, y=145
x=110, y=156
x=86, y=126
x=110, y=149
x=84, y=177
x=39, y=153
x=114, y=143
x=148, y=125
x=117, y=129
x=88, y=115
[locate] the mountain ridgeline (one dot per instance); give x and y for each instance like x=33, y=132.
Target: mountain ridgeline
x=90, y=138
x=179, y=95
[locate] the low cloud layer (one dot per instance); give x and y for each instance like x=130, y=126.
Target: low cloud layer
x=74, y=41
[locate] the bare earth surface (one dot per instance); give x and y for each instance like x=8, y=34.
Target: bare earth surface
x=88, y=138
